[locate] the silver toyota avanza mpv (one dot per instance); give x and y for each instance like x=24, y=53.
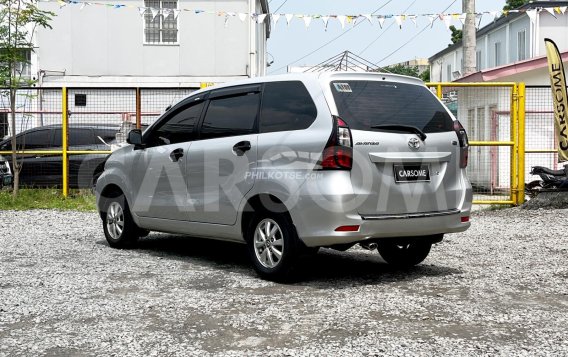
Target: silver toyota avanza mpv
x=288, y=164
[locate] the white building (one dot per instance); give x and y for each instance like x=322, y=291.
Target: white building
x=511, y=49
x=105, y=46
x=510, y=39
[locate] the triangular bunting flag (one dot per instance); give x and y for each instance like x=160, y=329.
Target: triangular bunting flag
x=260, y=18
x=462, y=17
x=155, y=12
x=242, y=16
x=563, y=9
x=341, y=19
x=398, y=20
x=550, y=11
x=381, y=21
x=307, y=21
x=275, y=18
x=325, y=20
x=532, y=14
x=176, y=13
x=447, y=21
x=289, y=18
x=167, y=12
x=369, y=18
x=83, y=5
x=413, y=19
x=478, y=18
x=142, y=11
x=432, y=18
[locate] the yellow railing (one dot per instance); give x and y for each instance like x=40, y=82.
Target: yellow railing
x=517, y=136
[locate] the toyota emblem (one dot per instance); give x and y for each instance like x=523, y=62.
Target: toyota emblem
x=414, y=143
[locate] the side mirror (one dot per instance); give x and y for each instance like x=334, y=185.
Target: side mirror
x=135, y=138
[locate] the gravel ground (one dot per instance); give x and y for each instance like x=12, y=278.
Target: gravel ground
x=498, y=289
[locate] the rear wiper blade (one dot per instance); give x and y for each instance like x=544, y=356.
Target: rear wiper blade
x=400, y=127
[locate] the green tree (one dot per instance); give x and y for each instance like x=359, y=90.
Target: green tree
x=404, y=70
x=18, y=22
x=425, y=76
x=457, y=35
x=513, y=4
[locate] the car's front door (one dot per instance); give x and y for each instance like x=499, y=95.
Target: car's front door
x=221, y=163
x=158, y=171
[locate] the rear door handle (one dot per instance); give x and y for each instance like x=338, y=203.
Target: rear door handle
x=176, y=155
x=241, y=147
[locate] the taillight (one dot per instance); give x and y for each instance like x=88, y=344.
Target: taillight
x=464, y=143
x=338, y=152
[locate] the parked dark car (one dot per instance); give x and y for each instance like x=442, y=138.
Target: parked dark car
x=47, y=170
x=5, y=173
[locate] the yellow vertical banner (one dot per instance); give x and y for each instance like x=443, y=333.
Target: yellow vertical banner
x=559, y=98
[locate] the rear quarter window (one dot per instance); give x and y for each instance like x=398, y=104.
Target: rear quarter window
x=363, y=104
x=286, y=106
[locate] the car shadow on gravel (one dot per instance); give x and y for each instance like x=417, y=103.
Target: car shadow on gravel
x=325, y=269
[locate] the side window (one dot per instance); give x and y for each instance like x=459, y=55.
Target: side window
x=38, y=139
x=231, y=116
x=81, y=137
x=286, y=106
x=177, y=128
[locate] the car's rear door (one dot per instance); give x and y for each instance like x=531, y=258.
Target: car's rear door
x=220, y=163
x=395, y=171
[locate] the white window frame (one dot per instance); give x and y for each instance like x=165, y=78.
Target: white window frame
x=160, y=19
x=497, y=54
x=449, y=72
x=522, y=45
x=478, y=59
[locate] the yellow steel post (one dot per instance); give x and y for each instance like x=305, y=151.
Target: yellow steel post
x=64, y=143
x=439, y=91
x=515, y=148
x=521, y=133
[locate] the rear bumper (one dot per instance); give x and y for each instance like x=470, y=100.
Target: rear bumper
x=415, y=225
x=330, y=203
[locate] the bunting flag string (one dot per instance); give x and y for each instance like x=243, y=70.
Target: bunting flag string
x=342, y=19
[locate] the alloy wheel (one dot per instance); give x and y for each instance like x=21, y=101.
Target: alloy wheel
x=115, y=220
x=268, y=243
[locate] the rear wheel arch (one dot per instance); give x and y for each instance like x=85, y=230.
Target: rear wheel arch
x=261, y=202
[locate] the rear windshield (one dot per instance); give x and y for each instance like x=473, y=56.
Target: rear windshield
x=363, y=104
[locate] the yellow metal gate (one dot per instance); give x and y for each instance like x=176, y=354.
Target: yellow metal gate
x=494, y=117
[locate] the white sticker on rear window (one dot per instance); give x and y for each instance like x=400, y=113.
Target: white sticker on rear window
x=343, y=87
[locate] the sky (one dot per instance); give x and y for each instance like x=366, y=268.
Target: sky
x=288, y=44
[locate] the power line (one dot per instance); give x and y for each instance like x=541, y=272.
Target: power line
x=382, y=33
x=413, y=37
x=279, y=7
x=332, y=40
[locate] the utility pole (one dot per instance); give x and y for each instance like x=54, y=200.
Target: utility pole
x=469, y=38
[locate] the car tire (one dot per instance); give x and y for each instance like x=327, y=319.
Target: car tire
x=273, y=245
x=118, y=225
x=404, y=254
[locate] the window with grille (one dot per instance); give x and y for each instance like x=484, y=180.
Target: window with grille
x=162, y=28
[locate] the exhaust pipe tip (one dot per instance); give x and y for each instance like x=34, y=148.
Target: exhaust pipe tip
x=369, y=246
